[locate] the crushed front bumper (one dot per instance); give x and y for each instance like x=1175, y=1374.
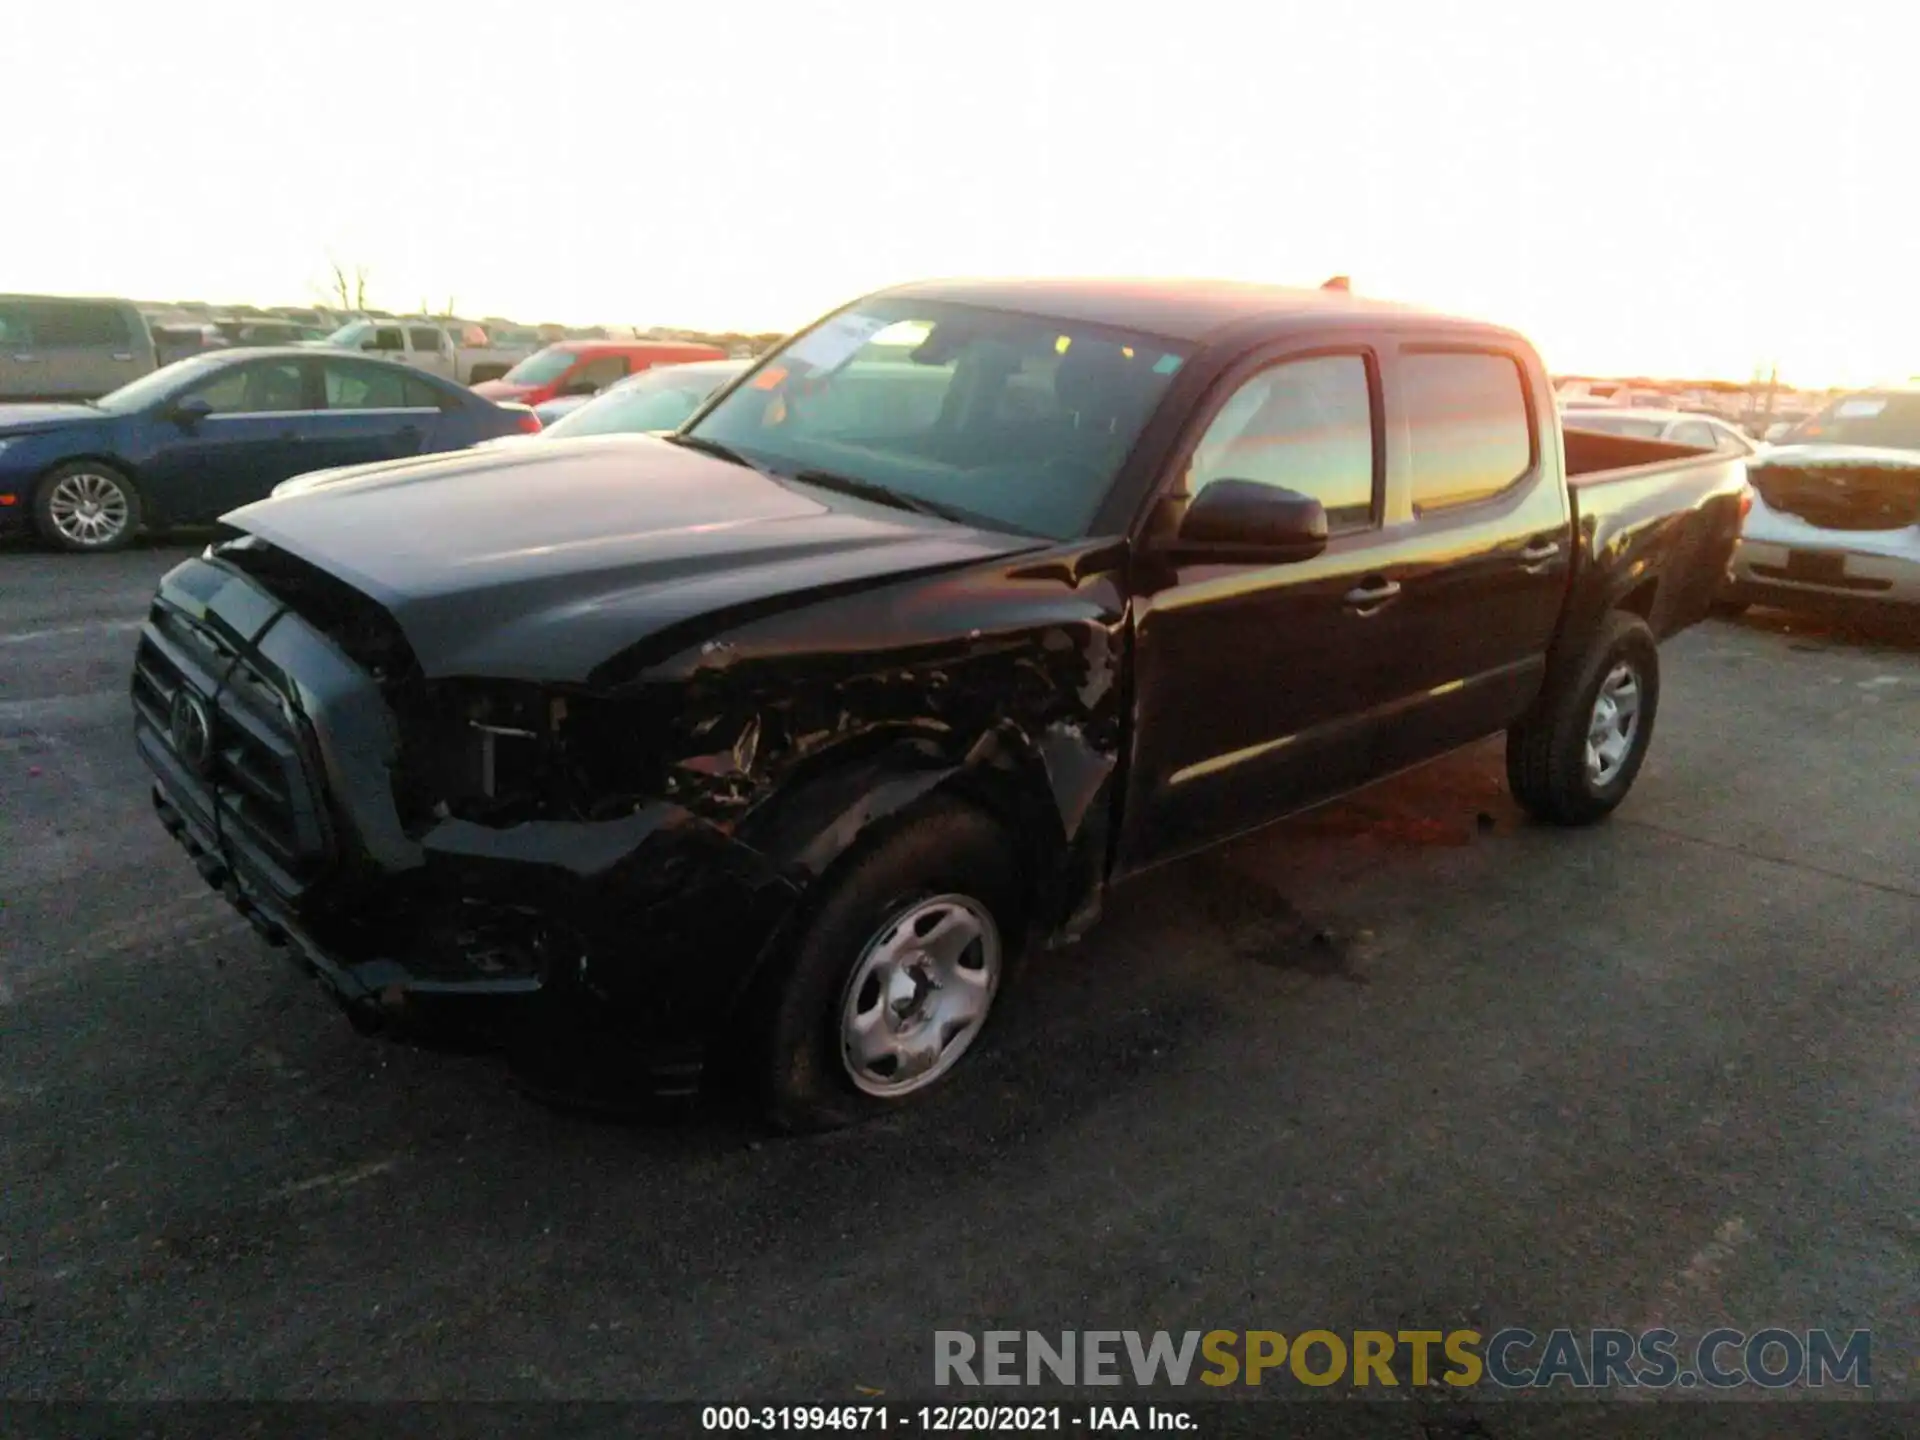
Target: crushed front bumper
x=269, y=752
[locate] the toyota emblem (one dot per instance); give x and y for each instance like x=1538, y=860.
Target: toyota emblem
x=191, y=729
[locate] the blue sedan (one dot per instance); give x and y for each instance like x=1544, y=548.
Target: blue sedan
x=206, y=435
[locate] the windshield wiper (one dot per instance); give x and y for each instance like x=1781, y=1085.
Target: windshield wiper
x=881, y=494
x=712, y=447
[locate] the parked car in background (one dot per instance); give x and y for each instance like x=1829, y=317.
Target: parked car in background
x=189, y=442
x=771, y=745
x=325, y=321
x=663, y=398
x=176, y=341
x=56, y=347
x=267, y=332
x=1675, y=427
x=1836, y=516
x=465, y=355
x=585, y=367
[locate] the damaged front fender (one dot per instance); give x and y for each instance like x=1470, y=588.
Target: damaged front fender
x=1001, y=684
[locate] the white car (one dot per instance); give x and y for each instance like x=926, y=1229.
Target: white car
x=1836, y=510
x=462, y=352
x=1675, y=427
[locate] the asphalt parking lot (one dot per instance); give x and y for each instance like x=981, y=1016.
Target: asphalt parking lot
x=1404, y=1063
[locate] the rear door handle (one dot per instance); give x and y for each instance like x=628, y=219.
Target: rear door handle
x=1540, y=550
x=1375, y=592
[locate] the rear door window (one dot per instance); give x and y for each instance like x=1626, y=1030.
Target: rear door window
x=425, y=337
x=1696, y=433
x=364, y=387
x=14, y=329
x=425, y=395
x=1469, y=424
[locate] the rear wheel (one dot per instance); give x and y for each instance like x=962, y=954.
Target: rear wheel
x=1573, y=760
x=897, y=974
x=87, y=506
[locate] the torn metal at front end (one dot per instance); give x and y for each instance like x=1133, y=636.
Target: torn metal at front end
x=646, y=840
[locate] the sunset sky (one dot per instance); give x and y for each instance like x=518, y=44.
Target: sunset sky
x=1682, y=189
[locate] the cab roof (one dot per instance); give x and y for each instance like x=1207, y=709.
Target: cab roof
x=1173, y=309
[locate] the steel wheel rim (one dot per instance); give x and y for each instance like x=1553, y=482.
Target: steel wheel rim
x=919, y=995
x=88, y=508
x=1613, y=725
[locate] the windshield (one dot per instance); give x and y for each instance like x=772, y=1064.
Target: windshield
x=352, y=335
x=1889, y=421
x=138, y=394
x=541, y=369
x=1019, y=420
x=662, y=399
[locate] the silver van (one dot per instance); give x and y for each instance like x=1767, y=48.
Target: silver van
x=56, y=348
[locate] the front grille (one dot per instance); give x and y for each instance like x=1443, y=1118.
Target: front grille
x=253, y=781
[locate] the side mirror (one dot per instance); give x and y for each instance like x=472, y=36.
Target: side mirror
x=1244, y=522
x=189, y=412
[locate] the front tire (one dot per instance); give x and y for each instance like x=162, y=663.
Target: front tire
x=87, y=507
x=1575, y=757
x=896, y=975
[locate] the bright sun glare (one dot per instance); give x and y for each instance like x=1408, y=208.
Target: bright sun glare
x=1707, y=194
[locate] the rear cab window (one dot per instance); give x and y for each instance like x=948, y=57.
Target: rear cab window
x=1470, y=426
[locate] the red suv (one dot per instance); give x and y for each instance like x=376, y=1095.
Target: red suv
x=585, y=367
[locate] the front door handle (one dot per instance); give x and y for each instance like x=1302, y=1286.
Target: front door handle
x=1539, y=551
x=1374, y=592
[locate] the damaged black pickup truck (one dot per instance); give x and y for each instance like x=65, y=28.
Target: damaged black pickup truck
x=764, y=749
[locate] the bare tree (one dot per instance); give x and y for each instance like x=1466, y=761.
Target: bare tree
x=349, y=287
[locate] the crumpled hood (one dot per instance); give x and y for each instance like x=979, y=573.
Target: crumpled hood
x=1822, y=455
x=544, y=562
x=24, y=419
x=1840, y=487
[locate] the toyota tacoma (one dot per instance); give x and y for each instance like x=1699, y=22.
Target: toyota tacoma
x=767, y=748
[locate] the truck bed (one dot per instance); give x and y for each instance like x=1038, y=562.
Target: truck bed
x=1654, y=527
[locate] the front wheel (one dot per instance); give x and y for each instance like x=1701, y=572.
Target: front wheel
x=894, y=979
x=1573, y=759
x=87, y=506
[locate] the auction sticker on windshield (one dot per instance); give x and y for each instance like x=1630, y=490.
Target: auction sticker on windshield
x=835, y=341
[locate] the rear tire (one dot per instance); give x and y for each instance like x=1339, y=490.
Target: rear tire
x=860, y=995
x=86, y=507
x=1575, y=757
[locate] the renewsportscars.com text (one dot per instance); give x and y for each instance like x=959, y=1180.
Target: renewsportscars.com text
x=1513, y=1359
